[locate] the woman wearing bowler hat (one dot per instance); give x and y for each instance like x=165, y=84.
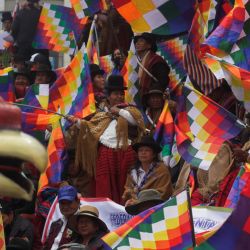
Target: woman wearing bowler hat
x=103, y=148
x=148, y=173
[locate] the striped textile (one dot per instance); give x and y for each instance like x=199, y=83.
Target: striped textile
x=199, y=73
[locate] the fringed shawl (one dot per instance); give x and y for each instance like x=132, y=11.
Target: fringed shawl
x=90, y=132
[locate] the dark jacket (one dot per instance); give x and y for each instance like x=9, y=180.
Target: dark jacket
x=20, y=227
x=24, y=28
x=54, y=231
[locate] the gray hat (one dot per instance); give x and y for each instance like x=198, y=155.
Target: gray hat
x=145, y=196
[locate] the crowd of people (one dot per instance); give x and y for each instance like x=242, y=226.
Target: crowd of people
x=112, y=153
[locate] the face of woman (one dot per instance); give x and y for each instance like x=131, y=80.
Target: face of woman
x=146, y=154
x=116, y=97
x=99, y=83
x=87, y=226
x=155, y=101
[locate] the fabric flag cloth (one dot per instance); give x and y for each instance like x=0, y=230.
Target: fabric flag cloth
x=131, y=78
x=166, y=17
x=6, y=84
x=113, y=214
x=235, y=233
x=173, y=52
x=57, y=155
x=204, y=14
x=37, y=121
x=85, y=8
x=207, y=221
x=165, y=226
x=240, y=182
x=2, y=238
x=106, y=63
x=58, y=29
x=201, y=126
x=200, y=72
x=237, y=78
x=230, y=40
x=164, y=133
x=93, y=55
x=73, y=91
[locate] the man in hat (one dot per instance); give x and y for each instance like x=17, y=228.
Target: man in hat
x=24, y=28
x=153, y=102
x=37, y=60
x=59, y=233
x=146, y=199
x=7, y=20
x=153, y=69
x=104, y=143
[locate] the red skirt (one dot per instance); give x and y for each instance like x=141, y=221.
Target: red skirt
x=111, y=171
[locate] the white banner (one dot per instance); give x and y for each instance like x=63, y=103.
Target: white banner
x=113, y=214
x=209, y=218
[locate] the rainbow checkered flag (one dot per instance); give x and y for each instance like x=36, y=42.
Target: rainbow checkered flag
x=55, y=27
x=237, y=78
x=73, y=91
x=201, y=126
x=56, y=154
x=85, y=8
x=2, y=238
x=173, y=52
x=131, y=78
x=165, y=17
x=165, y=226
x=6, y=84
x=230, y=39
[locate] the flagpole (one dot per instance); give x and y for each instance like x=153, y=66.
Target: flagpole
x=191, y=215
x=34, y=107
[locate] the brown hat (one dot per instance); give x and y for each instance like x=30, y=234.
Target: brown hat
x=89, y=211
x=149, y=38
x=145, y=196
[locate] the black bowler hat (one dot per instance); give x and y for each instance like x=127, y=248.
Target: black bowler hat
x=6, y=16
x=149, y=142
x=45, y=68
x=149, y=38
x=115, y=82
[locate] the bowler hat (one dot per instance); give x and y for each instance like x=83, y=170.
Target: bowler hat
x=6, y=16
x=148, y=141
x=40, y=59
x=155, y=89
x=95, y=70
x=115, y=82
x=149, y=38
x=89, y=211
x=145, y=196
x=45, y=68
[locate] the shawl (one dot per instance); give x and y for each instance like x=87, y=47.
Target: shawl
x=90, y=132
x=148, y=62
